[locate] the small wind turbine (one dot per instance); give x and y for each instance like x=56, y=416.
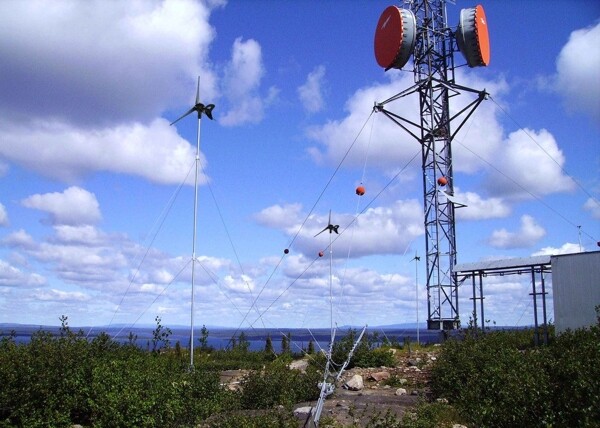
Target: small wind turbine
x=206, y=109
x=330, y=227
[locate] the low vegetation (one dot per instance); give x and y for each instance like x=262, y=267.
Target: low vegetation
x=496, y=379
x=500, y=379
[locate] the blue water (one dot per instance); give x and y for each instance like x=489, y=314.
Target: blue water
x=220, y=338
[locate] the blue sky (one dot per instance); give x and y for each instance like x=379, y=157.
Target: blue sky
x=96, y=200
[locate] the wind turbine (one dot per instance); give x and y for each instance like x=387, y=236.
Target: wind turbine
x=206, y=109
x=330, y=227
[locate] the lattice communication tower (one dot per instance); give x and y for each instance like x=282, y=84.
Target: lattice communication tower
x=422, y=31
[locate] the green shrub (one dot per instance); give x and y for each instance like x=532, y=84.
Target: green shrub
x=58, y=381
x=366, y=354
x=497, y=379
x=278, y=385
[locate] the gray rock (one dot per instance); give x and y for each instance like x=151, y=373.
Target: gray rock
x=401, y=391
x=355, y=383
x=302, y=412
x=379, y=376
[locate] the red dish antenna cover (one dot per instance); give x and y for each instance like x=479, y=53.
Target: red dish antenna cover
x=473, y=38
x=395, y=37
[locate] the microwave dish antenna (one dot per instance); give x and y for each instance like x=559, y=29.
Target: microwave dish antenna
x=472, y=37
x=395, y=37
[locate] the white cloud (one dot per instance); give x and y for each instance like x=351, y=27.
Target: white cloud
x=61, y=296
x=379, y=230
x=241, y=84
x=11, y=276
x=311, y=92
x=478, y=208
x=155, y=152
x=74, y=206
x=577, y=68
x=528, y=234
x=532, y=166
x=3, y=216
x=280, y=216
x=593, y=206
x=388, y=145
x=239, y=284
x=19, y=239
x=567, y=248
x=100, y=62
x=85, y=234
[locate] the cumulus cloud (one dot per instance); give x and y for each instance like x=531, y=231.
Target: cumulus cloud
x=155, y=152
x=528, y=234
x=11, y=276
x=532, y=165
x=103, y=72
x=577, y=68
x=478, y=208
x=61, y=296
x=379, y=230
x=593, y=206
x=280, y=216
x=99, y=62
x=19, y=239
x=74, y=206
x=241, y=84
x=567, y=248
x=3, y=216
x=389, y=145
x=311, y=92
x=239, y=284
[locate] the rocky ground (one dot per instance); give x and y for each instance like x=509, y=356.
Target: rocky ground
x=383, y=389
x=364, y=393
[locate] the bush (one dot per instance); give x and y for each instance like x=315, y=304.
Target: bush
x=58, y=381
x=497, y=380
x=366, y=354
x=278, y=385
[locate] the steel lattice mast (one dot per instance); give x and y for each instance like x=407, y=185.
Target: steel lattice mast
x=433, y=61
x=426, y=33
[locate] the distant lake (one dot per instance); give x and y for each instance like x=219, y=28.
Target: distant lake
x=220, y=338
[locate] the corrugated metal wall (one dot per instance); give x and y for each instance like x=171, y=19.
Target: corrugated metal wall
x=576, y=289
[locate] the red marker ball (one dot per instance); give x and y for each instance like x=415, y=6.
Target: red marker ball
x=360, y=190
x=320, y=253
x=442, y=181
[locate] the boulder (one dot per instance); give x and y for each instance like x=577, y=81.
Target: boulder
x=303, y=412
x=401, y=391
x=299, y=365
x=355, y=383
x=379, y=376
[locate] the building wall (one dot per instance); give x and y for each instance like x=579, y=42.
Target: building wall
x=576, y=289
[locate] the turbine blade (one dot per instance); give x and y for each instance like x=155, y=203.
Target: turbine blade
x=198, y=92
x=184, y=115
x=322, y=231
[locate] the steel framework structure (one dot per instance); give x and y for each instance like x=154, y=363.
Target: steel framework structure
x=434, y=74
